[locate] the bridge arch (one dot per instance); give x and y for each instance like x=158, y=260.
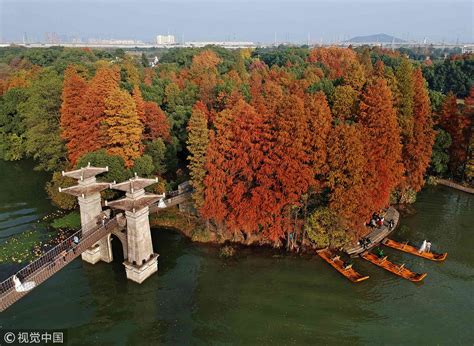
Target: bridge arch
x=121, y=235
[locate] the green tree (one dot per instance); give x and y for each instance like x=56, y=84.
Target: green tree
x=440, y=154
x=437, y=100
x=41, y=114
x=144, y=60
x=157, y=151
x=61, y=199
x=12, y=127
x=143, y=166
x=325, y=228
x=100, y=158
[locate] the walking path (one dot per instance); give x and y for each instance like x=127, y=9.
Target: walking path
x=378, y=234
x=455, y=186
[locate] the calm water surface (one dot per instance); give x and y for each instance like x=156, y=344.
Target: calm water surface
x=259, y=297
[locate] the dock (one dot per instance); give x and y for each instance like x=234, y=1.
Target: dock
x=396, y=269
x=378, y=234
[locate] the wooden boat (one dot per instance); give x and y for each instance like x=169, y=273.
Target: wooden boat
x=414, y=251
x=396, y=269
x=337, y=263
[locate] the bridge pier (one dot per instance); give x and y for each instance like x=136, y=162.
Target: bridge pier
x=141, y=261
x=88, y=194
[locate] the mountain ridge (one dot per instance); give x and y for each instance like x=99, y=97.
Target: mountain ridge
x=379, y=38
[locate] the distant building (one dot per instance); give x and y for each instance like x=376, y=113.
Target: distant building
x=154, y=62
x=224, y=44
x=114, y=42
x=165, y=39
x=468, y=49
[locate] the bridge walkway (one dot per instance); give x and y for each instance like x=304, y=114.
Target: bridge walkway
x=65, y=252
x=53, y=261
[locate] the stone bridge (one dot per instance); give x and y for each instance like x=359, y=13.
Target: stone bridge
x=127, y=219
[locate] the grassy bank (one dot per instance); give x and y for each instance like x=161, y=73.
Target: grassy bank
x=186, y=224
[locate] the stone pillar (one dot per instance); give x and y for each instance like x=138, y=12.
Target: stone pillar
x=141, y=262
x=87, y=192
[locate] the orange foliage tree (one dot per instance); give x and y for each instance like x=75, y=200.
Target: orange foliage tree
x=72, y=122
x=217, y=180
x=155, y=122
x=123, y=127
x=203, y=73
x=347, y=165
x=197, y=143
x=419, y=147
x=345, y=102
x=338, y=60
x=381, y=135
x=319, y=123
x=93, y=108
x=458, y=125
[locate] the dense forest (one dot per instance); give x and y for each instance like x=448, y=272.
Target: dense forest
x=281, y=143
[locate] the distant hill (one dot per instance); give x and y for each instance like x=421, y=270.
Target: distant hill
x=379, y=38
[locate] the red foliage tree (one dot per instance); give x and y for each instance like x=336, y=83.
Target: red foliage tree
x=155, y=122
x=458, y=125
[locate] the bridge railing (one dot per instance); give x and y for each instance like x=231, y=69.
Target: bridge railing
x=52, y=255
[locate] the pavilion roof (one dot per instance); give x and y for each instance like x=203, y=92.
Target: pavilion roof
x=134, y=184
x=85, y=172
x=86, y=190
x=134, y=204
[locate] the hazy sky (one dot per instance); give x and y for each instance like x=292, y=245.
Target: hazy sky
x=256, y=20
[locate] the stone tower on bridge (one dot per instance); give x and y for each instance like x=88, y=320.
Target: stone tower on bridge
x=141, y=261
x=87, y=192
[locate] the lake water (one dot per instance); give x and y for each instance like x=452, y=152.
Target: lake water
x=260, y=296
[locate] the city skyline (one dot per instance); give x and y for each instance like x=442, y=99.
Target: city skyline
x=262, y=21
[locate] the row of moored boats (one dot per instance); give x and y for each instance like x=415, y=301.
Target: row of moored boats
x=345, y=268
